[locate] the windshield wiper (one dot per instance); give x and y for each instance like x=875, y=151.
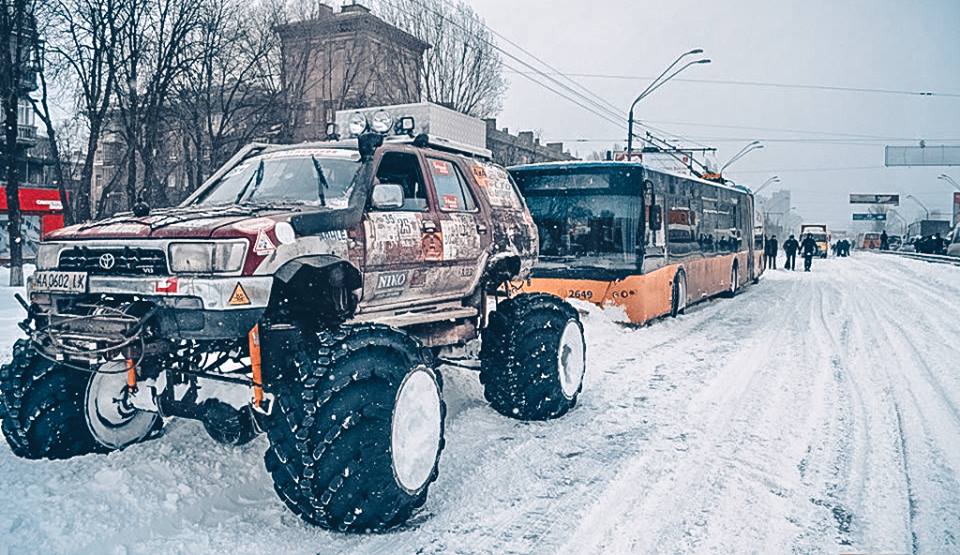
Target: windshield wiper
x=321, y=180
x=258, y=175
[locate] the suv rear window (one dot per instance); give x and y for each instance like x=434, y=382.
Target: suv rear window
x=453, y=194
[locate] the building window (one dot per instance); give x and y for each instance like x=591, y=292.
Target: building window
x=25, y=114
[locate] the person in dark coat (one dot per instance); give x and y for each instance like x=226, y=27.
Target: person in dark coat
x=770, y=253
x=808, y=249
x=844, y=247
x=790, y=247
x=884, y=241
x=938, y=245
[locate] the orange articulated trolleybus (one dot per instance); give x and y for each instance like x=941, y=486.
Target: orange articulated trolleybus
x=648, y=240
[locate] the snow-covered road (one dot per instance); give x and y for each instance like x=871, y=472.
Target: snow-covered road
x=813, y=413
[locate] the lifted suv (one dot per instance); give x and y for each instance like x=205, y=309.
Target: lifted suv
x=327, y=279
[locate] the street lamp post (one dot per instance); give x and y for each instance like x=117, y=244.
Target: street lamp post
x=903, y=222
x=656, y=84
x=950, y=180
x=926, y=211
x=755, y=145
x=772, y=180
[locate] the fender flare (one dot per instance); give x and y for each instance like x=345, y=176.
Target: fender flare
x=349, y=276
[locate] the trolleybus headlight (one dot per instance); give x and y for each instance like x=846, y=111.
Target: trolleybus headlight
x=207, y=258
x=382, y=122
x=357, y=124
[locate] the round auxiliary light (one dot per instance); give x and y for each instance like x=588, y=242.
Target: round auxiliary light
x=382, y=122
x=357, y=123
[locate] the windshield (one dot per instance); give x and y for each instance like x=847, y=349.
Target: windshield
x=588, y=231
x=818, y=237
x=312, y=177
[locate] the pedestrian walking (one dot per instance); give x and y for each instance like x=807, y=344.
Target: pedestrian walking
x=808, y=248
x=770, y=253
x=938, y=245
x=884, y=241
x=790, y=247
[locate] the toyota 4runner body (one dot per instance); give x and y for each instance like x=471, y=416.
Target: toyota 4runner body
x=329, y=280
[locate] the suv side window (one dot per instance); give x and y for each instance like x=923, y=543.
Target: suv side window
x=403, y=169
x=453, y=193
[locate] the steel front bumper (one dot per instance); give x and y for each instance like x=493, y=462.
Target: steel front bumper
x=187, y=307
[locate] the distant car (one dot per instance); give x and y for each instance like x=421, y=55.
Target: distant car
x=894, y=242
x=910, y=245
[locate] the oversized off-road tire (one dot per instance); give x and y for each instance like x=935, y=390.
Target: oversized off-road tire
x=533, y=357
x=42, y=406
x=357, y=428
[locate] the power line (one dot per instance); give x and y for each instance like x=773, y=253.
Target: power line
x=803, y=170
x=839, y=142
x=597, y=107
x=834, y=88
x=613, y=114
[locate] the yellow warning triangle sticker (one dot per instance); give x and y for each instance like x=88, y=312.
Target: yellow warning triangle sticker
x=239, y=296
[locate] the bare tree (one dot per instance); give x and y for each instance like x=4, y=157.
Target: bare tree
x=155, y=50
x=41, y=108
x=462, y=69
x=17, y=35
x=81, y=49
x=225, y=98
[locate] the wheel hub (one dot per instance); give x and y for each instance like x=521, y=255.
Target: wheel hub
x=415, y=435
x=571, y=362
x=111, y=415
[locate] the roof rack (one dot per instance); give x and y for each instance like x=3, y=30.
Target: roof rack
x=423, y=124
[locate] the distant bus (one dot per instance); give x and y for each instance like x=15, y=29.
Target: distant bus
x=820, y=236
x=650, y=241
x=869, y=240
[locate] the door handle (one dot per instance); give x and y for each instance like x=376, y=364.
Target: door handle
x=482, y=229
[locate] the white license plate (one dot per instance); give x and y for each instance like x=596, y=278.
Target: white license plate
x=60, y=282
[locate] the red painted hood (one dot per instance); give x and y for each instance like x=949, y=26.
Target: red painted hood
x=176, y=223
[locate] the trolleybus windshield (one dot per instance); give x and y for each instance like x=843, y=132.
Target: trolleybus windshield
x=590, y=223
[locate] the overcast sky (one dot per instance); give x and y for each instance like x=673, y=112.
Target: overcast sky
x=877, y=44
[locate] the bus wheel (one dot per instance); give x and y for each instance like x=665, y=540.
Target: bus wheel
x=679, y=304
x=533, y=357
x=734, y=281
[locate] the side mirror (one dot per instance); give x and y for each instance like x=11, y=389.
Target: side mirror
x=387, y=196
x=656, y=217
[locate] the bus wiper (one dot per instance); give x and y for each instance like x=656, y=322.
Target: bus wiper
x=321, y=180
x=258, y=175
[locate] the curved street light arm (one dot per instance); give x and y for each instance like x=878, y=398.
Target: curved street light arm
x=755, y=145
x=922, y=205
x=659, y=77
x=949, y=180
x=772, y=180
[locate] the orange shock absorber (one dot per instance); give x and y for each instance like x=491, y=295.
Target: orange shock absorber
x=131, y=375
x=255, y=363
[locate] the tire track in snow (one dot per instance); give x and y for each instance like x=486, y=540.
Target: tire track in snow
x=933, y=491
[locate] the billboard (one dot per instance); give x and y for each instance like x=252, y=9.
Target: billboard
x=875, y=199
x=922, y=155
x=956, y=208
x=870, y=217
